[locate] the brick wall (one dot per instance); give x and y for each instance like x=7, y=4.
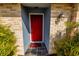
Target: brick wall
x=10, y=14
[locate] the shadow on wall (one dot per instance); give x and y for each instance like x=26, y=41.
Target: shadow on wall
x=25, y=26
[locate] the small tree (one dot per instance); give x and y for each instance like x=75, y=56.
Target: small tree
x=7, y=41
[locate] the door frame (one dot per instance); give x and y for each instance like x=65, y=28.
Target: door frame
x=42, y=27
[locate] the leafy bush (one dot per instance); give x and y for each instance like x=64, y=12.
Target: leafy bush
x=68, y=45
x=7, y=41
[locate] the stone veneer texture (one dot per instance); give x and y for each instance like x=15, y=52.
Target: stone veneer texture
x=10, y=14
x=56, y=9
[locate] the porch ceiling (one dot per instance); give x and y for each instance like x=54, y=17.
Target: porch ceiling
x=36, y=4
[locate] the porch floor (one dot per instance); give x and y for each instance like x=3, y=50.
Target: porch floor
x=39, y=51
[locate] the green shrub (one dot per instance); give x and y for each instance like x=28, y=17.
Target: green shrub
x=68, y=45
x=7, y=41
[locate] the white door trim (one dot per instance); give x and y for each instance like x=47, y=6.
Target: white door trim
x=42, y=26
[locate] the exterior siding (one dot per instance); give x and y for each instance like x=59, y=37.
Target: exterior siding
x=10, y=15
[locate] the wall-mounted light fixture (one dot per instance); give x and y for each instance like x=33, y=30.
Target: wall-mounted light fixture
x=60, y=15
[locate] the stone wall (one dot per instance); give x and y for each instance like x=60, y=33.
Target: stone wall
x=77, y=12
x=59, y=29
x=10, y=14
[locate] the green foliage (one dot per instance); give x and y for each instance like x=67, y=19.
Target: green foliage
x=71, y=25
x=68, y=46
x=7, y=41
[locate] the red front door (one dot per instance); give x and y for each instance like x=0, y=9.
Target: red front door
x=36, y=27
